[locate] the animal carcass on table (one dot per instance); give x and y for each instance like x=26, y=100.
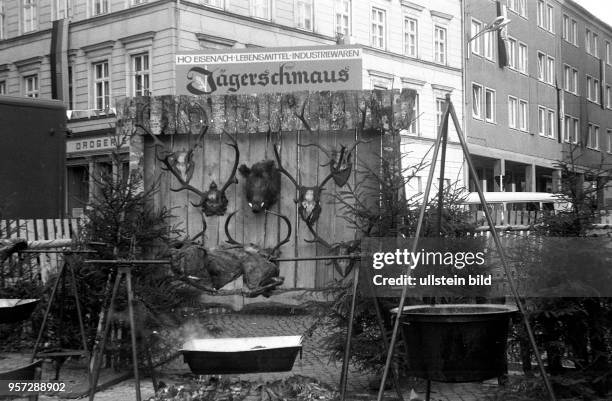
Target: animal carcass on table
x=212, y=269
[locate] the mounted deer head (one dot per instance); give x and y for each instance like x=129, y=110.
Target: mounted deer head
x=309, y=198
x=180, y=164
x=340, y=162
x=262, y=184
x=342, y=266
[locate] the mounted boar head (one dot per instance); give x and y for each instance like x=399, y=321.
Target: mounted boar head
x=262, y=184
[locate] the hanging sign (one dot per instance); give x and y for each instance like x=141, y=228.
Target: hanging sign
x=242, y=71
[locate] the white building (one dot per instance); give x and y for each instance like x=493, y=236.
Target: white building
x=110, y=49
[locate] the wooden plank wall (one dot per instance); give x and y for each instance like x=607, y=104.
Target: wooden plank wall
x=257, y=123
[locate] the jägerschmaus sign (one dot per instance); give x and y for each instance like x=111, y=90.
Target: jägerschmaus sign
x=240, y=71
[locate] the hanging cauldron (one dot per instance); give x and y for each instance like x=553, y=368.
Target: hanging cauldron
x=456, y=343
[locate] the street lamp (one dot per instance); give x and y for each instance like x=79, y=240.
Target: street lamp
x=498, y=24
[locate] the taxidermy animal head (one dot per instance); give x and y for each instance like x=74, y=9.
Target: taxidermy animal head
x=262, y=184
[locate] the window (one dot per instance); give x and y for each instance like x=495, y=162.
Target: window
x=71, y=88
x=587, y=40
x=489, y=43
x=522, y=58
x=591, y=42
x=571, y=129
x=567, y=78
x=477, y=101
x=414, y=125
x=609, y=135
x=512, y=111
x=30, y=16
x=575, y=32
x=440, y=102
x=141, y=73
x=100, y=7
x=550, y=124
x=440, y=45
x=2, y=87
x=490, y=105
x=512, y=53
x=592, y=89
x=476, y=28
x=304, y=14
x=567, y=128
x=541, y=14
x=523, y=115
x=566, y=28
x=411, y=37
x=608, y=53
x=2, y=20
x=576, y=131
x=136, y=2
x=101, y=85
x=570, y=79
x=550, y=18
x=343, y=17
x=261, y=9
x=541, y=66
x=377, y=31
x=589, y=86
x=550, y=70
x=609, y=96
x=63, y=9
x=541, y=120
x=522, y=8
x=213, y=3
x=30, y=86
x=518, y=6
x=593, y=137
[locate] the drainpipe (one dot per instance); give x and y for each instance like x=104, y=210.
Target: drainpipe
x=175, y=40
x=464, y=54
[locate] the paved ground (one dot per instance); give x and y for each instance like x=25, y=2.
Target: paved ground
x=314, y=363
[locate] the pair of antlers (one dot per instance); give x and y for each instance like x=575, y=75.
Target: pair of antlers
x=232, y=241
x=185, y=185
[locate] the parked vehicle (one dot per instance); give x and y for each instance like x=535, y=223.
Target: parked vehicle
x=32, y=158
x=521, y=201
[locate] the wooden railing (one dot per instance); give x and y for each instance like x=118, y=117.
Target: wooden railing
x=35, y=266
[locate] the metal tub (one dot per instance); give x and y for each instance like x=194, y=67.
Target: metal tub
x=26, y=372
x=456, y=343
x=16, y=310
x=241, y=355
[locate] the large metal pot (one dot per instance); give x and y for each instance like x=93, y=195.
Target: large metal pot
x=241, y=355
x=456, y=343
x=16, y=310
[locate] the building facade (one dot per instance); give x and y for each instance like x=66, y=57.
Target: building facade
x=537, y=93
x=117, y=48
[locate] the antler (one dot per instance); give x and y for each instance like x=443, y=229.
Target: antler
x=171, y=168
x=232, y=178
x=316, y=145
x=232, y=241
x=301, y=116
x=229, y=239
x=282, y=170
x=316, y=236
x=355, y=145
x=288, y=237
